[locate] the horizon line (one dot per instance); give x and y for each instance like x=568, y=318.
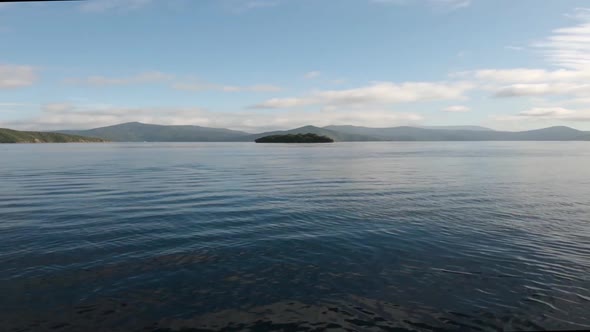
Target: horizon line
x=427, y=127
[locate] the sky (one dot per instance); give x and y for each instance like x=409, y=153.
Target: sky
x=256, y=65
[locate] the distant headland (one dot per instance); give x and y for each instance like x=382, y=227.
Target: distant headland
x=295, y=138
x=15, y=136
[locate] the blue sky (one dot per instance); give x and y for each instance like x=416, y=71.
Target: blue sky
x=273, y=64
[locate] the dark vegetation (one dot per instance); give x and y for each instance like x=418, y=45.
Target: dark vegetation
x=295, y=138
x=15, y=136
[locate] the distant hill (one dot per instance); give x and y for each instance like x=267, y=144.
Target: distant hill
x=423, y=134
x=15, y=136
x=141, y=132
x=478, y=128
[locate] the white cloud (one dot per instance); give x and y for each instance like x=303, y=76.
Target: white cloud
x=159, y=77
x=240, y=6
x=312, y=74
x=543, y=89
x=462, y=54
x=437, y=4
x=514, y=48
x=547, y=112
x=226, y=88
x=569, y=47
x=14, y=76
x=527, y=75
x=581, y=14
x=285, y=103
x=65, y=116
x=455, y=4
x=58, y=107
x=9, y=104
x=520, y=82
x=457, y=109
x=338, y=81
x=97, y=6
x=194, y=86
x=377, y=93
x=253, y=88
x=583, y=100
x=548, y=115
x=261, y=3
x=141, y=78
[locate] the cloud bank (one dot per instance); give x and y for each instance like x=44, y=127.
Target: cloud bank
x=16, y=76
x=226, y=88
x=99, y=6
x=456, y=109
x=141, y=78
x=376, y=93
x=56, y=116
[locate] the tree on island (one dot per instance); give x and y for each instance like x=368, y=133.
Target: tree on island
x=295, y=138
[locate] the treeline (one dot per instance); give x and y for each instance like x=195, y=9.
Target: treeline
x=295, y=138
x=15, y=136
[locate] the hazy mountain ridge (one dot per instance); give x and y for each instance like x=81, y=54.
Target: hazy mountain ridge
x=405, y=133
x=139, y=132
x=15, y=136
x=478, y=128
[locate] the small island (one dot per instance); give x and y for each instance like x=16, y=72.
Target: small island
x=295, y=138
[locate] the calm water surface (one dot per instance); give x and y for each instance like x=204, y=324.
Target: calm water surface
x=239, y=236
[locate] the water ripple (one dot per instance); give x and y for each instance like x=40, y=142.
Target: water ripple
x=478, y=236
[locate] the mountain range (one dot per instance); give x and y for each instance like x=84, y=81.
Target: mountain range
x=140, y=132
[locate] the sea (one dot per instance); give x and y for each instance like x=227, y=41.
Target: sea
x=363, y=236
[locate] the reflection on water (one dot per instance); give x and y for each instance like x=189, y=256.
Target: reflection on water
x=350, y=236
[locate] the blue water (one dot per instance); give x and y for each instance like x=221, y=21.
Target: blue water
x=348, y=236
